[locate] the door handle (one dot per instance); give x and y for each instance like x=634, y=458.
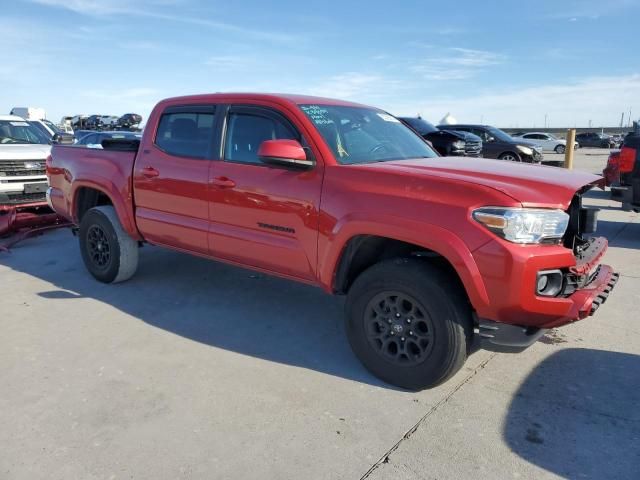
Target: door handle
x=223, y=182
x=150, y=172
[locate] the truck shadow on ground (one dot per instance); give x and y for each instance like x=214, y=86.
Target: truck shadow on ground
x=577, y=415
x=208, y=302
x=620, y=234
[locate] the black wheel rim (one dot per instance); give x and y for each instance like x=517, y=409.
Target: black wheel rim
x=98, y=247
x=398, y=328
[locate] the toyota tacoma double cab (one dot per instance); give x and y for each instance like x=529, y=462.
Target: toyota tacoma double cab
x=434, y=254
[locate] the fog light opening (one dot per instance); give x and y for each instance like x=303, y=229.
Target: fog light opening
x=549, y=283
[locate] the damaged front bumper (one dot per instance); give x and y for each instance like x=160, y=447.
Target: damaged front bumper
x=586, y=286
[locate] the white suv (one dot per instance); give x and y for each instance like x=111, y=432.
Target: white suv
x=23, y=153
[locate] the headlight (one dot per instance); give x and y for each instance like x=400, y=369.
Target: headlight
x=459, y=144
x=525, y=150
x=524, y=225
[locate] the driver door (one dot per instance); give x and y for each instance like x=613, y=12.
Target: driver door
x=262, y=215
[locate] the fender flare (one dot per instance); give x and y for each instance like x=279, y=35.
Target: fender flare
x=117, y=197
x=434, y=238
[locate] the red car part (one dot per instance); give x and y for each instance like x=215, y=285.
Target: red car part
x=18, y=222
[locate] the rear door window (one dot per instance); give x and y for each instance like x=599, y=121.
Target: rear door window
x=187, y=131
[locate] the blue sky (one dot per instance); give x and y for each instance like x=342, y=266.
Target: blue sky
x=503, y=62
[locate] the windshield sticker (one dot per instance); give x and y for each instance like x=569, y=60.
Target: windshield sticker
x=388, y=118
x=19, y=124
x=319, y=115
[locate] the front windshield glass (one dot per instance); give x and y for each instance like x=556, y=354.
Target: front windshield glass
x=364, y=135
x=20, y=132
x=51, y=125
x=499, y=134
x=420, y=125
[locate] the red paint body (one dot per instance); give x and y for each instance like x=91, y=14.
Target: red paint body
x=213, y=208
x=611, y=172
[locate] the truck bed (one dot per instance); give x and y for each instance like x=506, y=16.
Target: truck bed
x=70, y=168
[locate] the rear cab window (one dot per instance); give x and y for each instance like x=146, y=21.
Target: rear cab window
x=187, y=131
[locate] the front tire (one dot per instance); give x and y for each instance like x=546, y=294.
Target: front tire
x=409, y=323
x=510, y=157
x=108, y=252
x=559, y=149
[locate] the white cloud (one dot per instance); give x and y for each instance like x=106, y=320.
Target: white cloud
x=591, y=9
x=599, y=99
x=460, y=63
x=153, y=9
x=353, y=85
x=98, y=7
x=231, y=62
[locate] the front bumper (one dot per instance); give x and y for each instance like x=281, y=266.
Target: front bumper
x=510, y=274
x=506, y=338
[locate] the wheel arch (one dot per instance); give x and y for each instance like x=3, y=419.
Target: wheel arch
x=356, y=251
x=89, y=194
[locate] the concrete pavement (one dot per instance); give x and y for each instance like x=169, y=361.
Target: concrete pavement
x=195, y=369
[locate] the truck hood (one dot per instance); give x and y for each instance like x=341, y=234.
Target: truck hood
x=466, y=136
x=531, y=185
x=24, y=152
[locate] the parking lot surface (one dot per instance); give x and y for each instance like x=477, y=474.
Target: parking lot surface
x=194, y=369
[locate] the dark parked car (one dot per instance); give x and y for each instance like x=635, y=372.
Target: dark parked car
x=94, y=122
x=94, y=139
x=500, y=145
x=129, y=120
x=598, y=140
x=447, y=143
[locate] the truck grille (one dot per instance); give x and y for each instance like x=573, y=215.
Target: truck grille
x=15, y=168
x=473, y=149
x=17, y=198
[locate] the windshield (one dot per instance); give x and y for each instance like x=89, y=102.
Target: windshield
x=364, y=135
x=40, y=127
x=51, y=125
x=19, y=131
x=499, y=134
x=420, y=125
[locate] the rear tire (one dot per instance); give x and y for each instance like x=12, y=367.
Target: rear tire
x=409, y=323
x=108, y=252
x=559, y=149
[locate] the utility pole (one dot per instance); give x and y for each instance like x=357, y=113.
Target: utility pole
x=545, y=120
x=568, y=152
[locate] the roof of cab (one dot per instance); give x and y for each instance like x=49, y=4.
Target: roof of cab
x=269, y=97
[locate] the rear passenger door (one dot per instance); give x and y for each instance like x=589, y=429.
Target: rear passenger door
x=171, y=176
x=262, y=215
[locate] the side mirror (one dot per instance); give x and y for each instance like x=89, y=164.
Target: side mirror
x=490, y=139
x=63, y=138
x=284, y=153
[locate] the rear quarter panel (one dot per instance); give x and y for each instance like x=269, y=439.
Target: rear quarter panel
x=71, y=168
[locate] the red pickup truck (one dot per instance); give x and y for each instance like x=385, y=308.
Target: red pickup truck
x=433, y=254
